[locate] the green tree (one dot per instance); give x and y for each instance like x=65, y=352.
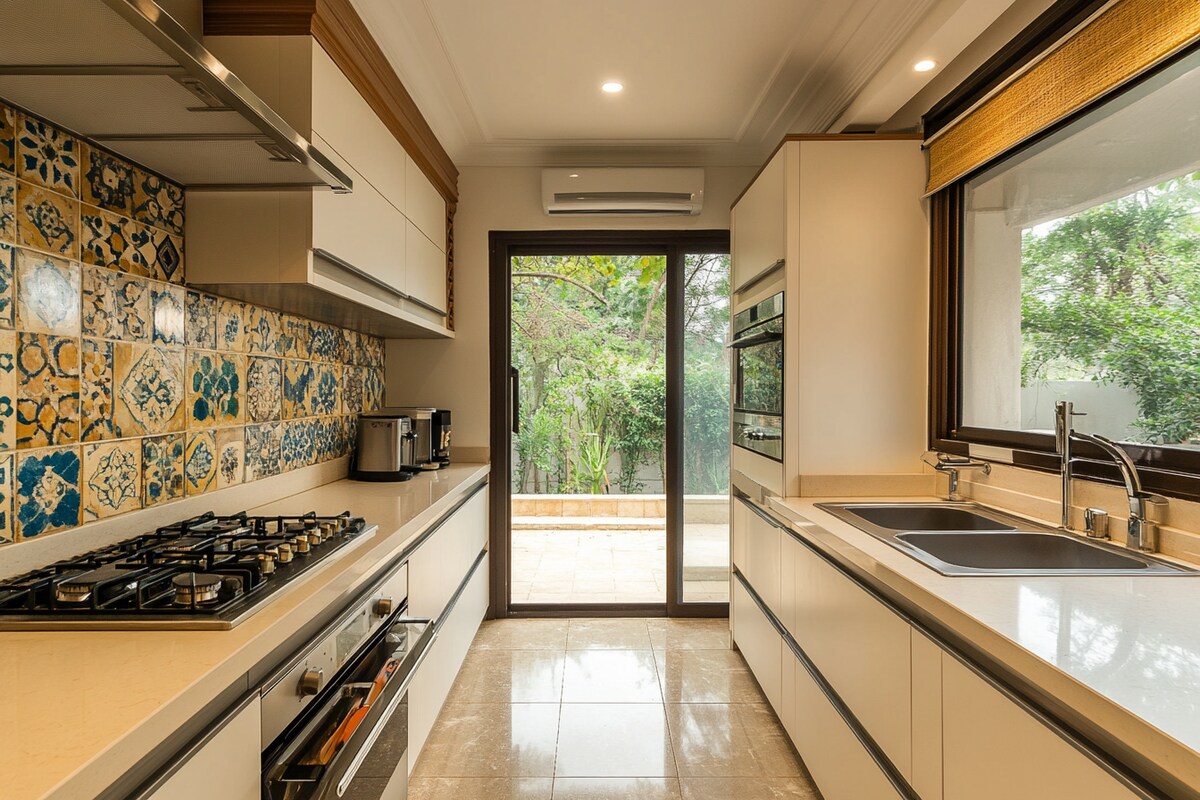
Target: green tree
x=1112, y=294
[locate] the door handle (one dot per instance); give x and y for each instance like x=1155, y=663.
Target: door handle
x=515, y=377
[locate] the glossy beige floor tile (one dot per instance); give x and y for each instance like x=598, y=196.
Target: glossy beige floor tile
x=748, y=789
x=706, y=676
x=616, y=789
x=480, y=788
x=485, y=740
x=611, y=676
x=510, y=676
x=614, y=740
x=521, y=634
x=608, y=634
x=730, y=740
x=689, y=634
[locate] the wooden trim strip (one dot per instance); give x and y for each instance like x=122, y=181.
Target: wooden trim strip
x=345, y=37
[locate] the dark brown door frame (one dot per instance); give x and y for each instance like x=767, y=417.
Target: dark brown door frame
x=502, y=246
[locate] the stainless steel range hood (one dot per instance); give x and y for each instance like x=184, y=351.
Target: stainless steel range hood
x=128, y=75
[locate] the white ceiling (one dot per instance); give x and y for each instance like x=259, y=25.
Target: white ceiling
x=707, y=81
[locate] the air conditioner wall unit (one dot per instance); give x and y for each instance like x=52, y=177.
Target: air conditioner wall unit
x=639, y=191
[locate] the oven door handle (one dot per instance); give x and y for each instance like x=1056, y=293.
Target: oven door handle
x=762, y=337
x=364, y=751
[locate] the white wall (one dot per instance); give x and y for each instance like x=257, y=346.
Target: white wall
x=454, y=374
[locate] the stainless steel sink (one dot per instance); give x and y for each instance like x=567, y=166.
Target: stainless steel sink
x=968, y=539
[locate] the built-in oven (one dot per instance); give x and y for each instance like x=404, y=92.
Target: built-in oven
x=337, y=716
x=758, y=378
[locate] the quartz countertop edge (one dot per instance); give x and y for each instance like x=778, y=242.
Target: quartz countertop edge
x=83, y=707
x=1016, y=623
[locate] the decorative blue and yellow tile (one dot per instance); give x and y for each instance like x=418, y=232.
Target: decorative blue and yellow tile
x=350, y=426
x=231, y=456
x=264, y=387
x=326, y=395
x=297, y=388
x=47, y=294
x=96, y=388
x=263, y=443
x=349, y=345
x=47, y=390
x=373, y=347
x=47, y=156
x=107, y=180
x=231, y=325
x=200, y=462
x=8, y=139
x=216, y=389
x=167, y=304
x=116, y=306
x=262, y=329
x=325, y=343
x=47, y=491
x=157, y=202
x=166, y=256
x=162, y=469
x=110, y=240
x=353, y=387
x=200, y=322
x=8, y=390
x=8, y=208
x=372, y=389
x=7, y=281
x=46, y=221
x=298, y=448
x=293, y=338
x=112, y=478
x=8, y=530
x=149, y=391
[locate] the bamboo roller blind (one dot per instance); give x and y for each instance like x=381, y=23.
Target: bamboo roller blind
x=1126, y=39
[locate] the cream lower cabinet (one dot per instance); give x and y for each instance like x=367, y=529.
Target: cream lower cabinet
x=992, y=749
x=228, y=766
x=756, y=544
x=875, y=707
x=445, y=563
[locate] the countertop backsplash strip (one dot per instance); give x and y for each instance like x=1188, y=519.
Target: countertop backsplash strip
x=121, y=389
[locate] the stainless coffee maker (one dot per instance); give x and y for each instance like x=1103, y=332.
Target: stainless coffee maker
x=386, y=447
x=432, y=429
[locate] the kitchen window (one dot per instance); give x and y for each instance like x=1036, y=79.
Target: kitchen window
x=1070, y=270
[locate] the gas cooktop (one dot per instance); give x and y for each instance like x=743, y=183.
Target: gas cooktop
x=208, y=572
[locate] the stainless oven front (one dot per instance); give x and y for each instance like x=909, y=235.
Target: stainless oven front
x=337, y=716
x=758, y=378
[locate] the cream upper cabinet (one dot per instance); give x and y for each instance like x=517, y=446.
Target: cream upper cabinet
x=373, y=258
x=759, y=223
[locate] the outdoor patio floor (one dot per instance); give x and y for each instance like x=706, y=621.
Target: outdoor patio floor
x=615, y=565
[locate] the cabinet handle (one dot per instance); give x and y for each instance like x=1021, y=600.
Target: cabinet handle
x=515, y=377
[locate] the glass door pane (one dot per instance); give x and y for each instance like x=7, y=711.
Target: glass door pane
x=588, y=337
x=705, y=428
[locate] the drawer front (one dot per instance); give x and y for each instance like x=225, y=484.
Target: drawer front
x=994, y=750
x=757, y=545
x=438, y=567
x=840, y=765
x=861, y=647
x=432, y=682
x=760, y=643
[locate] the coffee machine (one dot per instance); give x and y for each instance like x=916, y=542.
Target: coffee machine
x=432, y=429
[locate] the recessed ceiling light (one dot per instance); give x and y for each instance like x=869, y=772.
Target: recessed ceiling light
x=612, y=87
x=573, y=175
x=924, y=65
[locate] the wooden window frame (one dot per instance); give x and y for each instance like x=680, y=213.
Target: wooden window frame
x=1171, y=471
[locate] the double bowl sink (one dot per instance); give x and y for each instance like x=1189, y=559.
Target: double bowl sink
x=968, y=539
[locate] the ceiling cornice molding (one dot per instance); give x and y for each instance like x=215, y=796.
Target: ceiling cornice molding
x=341, y=32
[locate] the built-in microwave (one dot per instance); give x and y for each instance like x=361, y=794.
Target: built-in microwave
x=758, y=378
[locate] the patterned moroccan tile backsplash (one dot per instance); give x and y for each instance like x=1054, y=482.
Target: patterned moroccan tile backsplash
x=120, y=388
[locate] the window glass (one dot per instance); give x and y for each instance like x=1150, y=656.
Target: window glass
x=1081, y=273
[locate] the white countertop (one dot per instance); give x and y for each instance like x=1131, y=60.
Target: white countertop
x=79, y=708
x=1124, y=651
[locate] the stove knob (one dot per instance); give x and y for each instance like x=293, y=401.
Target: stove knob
x=302, y=545
x=266, y=563
x=310, y=681
x=285, y=553
x=384, y=606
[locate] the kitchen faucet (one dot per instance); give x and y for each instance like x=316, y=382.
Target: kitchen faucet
x=951, y=465
x=1143, y=532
